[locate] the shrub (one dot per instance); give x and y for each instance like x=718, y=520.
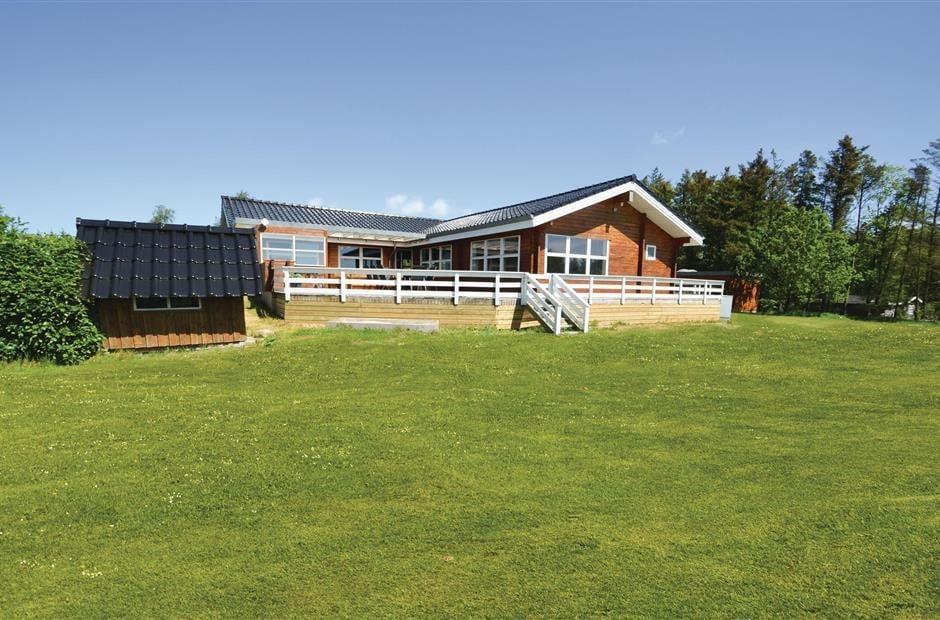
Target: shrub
x=42, y=314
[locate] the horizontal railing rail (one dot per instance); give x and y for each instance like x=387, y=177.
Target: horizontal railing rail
x=643, y=289
x=576, y=294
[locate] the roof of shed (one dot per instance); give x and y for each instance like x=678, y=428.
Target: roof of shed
x=523, y=210
x=132, y=259
x=251, y=209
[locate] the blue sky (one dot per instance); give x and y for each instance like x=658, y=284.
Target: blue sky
x=437, y=109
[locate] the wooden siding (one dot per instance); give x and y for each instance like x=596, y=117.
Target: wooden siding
x=612, y=315
x=219, y=321
x=319, y=311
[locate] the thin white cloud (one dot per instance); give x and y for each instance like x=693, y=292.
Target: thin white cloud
x=415, y=206
x=662, y=138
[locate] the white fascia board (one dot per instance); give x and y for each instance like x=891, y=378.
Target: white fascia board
x=477, y=232
x=337, y=231
x=666, y=216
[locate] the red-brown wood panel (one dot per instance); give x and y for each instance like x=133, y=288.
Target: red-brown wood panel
x=218, y=321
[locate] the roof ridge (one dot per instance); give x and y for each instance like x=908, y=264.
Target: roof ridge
x=626, y=179
x=308, y=206
x=109, y=223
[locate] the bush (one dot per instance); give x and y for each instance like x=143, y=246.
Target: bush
x=42, y=314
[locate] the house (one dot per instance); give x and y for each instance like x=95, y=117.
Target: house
x=745, y=292
x=605, y=249
x=167, y=285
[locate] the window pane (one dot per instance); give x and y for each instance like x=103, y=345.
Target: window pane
x=578, y=245
x=372, y=252
x=476, y=249
x=445, y=253
x=492, y=264
x=371, y=263
x=598, y=247
x=555, y=243
x=511, y=263
x=651, y=251
x=277, y=255
x=348, y=250
x=309, y=258
x=476, y=264
x=302, y=243
x=598, y=267
x=151, y=303
x=184, y=302
x=435, y=253
x=268, y=241
x=511, y=245
x=445, y=265
x=348, y=263
x=424, y=255
x=492, y=246
x=556, y=264
x=577, y=265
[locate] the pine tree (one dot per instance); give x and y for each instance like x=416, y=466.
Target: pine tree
x=842, y=176
x=660, y=186
x=802, y=185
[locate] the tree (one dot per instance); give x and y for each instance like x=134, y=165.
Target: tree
x=797, y=258
x=914, y=205
x=932, y=159
x=841, y=179
x=801, y=182
x=660, y=186
x=162, y=215
x=243, y=195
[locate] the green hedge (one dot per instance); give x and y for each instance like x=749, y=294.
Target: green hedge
x=42, y=314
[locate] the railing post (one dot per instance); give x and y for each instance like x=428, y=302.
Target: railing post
x=591, y=290
x=524, y=290
x=623, y=290
x=557, y=320
x=681, y=286
x=552, y=285
x=456, y=289
x=398, y=287
x=286, y=284
x=653, y=292
x=496, y=291
x=705, y=291
x=342, y=287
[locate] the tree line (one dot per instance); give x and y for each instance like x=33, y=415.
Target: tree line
x=821, y=231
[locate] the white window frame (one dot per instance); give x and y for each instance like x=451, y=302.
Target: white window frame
x=293, y=248
x=359, y=257
x=568, y=255
x=168, y=307
x=501, y=253
x=429, y=262
x=650, y=255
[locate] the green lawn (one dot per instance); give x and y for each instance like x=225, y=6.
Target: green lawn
x=774, y=466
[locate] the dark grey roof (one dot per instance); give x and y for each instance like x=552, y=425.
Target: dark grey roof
x=133, y=259
x=252, y=209
x=522, y=210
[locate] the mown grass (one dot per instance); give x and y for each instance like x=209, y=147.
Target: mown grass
x=777, y=466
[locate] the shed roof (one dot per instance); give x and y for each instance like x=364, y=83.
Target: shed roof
x=133, y=259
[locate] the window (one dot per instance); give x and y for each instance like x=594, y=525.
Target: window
x=495, y=254
x=575, y=255
x=167, y=303
x=436, y=258
x=298, y=248
x=360, y=257
x=651, y=252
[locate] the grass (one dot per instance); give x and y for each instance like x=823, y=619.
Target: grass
x=776, y=466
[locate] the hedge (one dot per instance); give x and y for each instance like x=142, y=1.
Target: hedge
x=42, y=313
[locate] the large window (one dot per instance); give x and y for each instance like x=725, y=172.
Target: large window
x=575, y=255
x=166, y=303
x=436, y=258
x=360, y=257
x=298, y=248
x=495, y=254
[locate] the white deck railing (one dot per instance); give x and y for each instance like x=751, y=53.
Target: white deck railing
x=574, y=306
x=499, y=286
x=643, y=289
